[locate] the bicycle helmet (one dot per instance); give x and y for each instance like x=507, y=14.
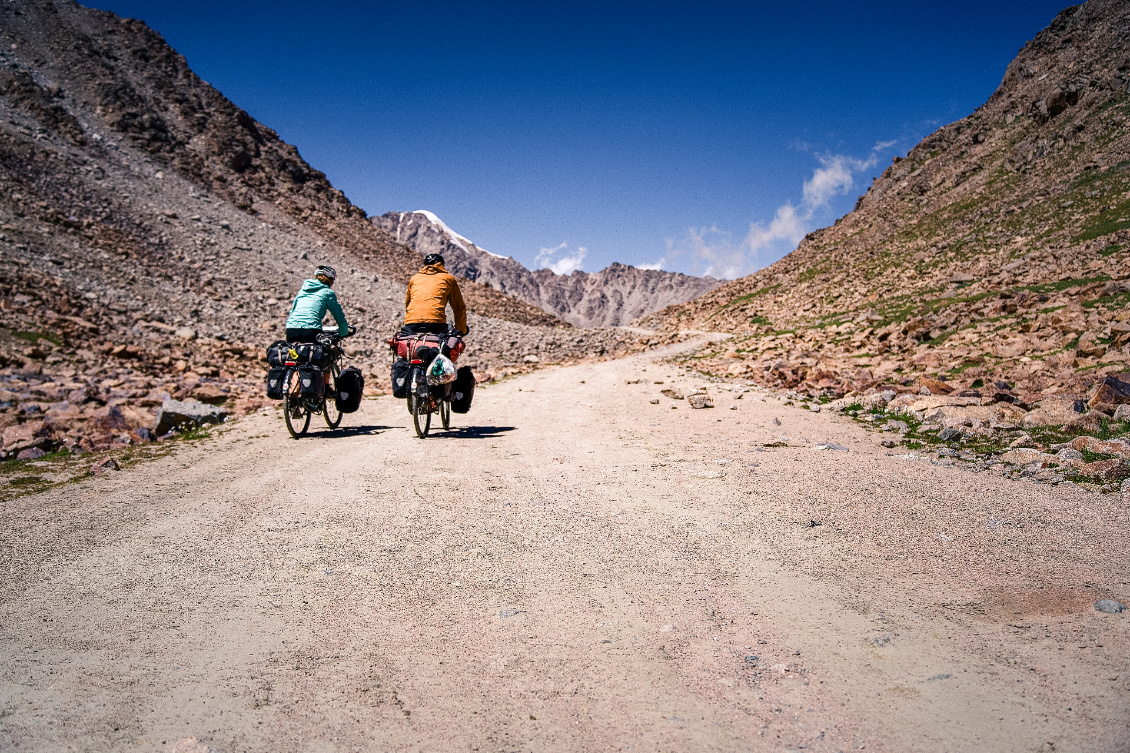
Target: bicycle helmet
x=431, y=259
x=327, y=271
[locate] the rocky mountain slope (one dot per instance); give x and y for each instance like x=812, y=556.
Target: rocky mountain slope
x=152, y=235
x=613, y=296
x=997, y=251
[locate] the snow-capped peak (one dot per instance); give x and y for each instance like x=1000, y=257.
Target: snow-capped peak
x=456, y=238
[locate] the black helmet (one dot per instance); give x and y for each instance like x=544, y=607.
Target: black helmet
x=431, y=259
x=327, y=271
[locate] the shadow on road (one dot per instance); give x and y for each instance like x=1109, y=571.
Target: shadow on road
x=349, y=431
x=473, y=432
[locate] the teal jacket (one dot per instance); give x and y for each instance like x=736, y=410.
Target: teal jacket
x=310, y=306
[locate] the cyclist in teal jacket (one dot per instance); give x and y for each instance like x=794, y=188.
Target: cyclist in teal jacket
x=311, y=304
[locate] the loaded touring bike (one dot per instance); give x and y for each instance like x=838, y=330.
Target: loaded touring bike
x=426, y=376
x=300, y=381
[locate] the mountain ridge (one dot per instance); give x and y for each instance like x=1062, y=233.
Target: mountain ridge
x=614, y=296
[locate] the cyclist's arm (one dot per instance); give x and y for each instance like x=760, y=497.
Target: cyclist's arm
x=458, y=308
x=338, y=314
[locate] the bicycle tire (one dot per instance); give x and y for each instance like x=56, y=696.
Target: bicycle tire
x=445, y=414
x=329, y=404
x=294, y=406
x=421, y=407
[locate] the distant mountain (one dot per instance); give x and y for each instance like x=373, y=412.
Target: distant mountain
x=999, y=248
x=613, y=296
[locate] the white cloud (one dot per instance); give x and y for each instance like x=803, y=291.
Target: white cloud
x=567, y=263
x=713, y=252
x=654, y=266
x=786, y=226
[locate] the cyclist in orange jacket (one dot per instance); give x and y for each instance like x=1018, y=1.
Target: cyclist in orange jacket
x=429, y=292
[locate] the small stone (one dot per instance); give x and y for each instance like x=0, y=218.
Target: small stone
x=654, y=401
x=1122, y=413
x=1109, y=606
x=708, y=474
x=531, y=358
x=104, y=465
x=889, y=443
x=831, y=446
x=504, y=613
x=700, y=401
x=949, y=435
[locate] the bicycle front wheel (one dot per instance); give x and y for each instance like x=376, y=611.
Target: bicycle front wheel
x=294, y=406
x=329, y=405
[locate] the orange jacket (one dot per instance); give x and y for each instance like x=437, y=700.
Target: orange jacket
x=429, y=292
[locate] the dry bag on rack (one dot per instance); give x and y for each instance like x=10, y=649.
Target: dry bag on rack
x=277, y=352
x=350, y=385
x=463, y=390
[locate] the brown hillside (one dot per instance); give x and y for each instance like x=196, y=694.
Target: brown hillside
x=997, y=249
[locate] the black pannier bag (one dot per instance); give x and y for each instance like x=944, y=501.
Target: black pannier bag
x=311, y=382
x=277, y=352
x=400, y=371
x=275, y=384
x=312, y=353
x=350, y=385
x=462, y=390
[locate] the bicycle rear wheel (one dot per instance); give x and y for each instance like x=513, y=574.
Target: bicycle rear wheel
x=294, y=406
x=445, y=414
x=421, y=403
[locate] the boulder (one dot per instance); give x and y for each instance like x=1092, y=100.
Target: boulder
x=24, y=435
x=110, y=419
x=671, y=393
x=1088, y=423
x=929, y=402
x=1122, y=413
x=967, y=415
x=1114, y=469
x=935, y=386
x=182, y=414
x=1110, y=393
x=1101, y=446
x=31, y=453
x=1051, y=411
x=1024, y=456
x=212, y=394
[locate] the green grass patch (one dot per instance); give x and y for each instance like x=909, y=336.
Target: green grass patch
x=34, y=336
x=1110, y=221
x=1110, y=250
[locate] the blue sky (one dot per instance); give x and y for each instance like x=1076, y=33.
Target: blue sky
x=703, y=136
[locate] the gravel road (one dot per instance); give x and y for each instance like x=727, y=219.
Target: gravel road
x=573, y=569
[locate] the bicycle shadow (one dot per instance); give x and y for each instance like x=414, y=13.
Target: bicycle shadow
x=472, y=432
x=350, y=431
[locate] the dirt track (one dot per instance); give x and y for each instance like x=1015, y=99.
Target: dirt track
x=557, y=578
